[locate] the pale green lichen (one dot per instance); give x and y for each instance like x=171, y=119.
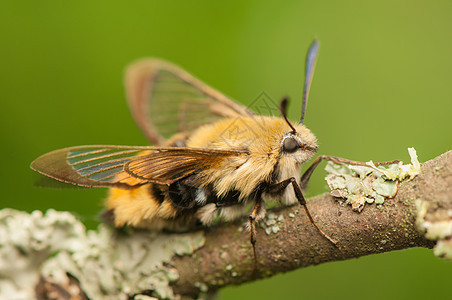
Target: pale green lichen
x=379, y=199
x=26, y=241
x=400, y=171
x=443, y=248
x=438, y=228
x=275, y=229
x=109, y=265
x=271, y=223
x=368, y=184
x=144, y=297
x=202, y=287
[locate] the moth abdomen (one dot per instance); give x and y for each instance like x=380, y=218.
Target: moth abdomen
x=186, y=196
x=154, y=206
x=183, y=196
x=157, y=192
x=149, y=207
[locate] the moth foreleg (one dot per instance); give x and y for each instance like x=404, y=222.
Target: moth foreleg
x=281, y=186
x=252, y=218
x=338, y=160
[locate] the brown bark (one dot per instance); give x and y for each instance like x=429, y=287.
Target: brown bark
x=227, y=255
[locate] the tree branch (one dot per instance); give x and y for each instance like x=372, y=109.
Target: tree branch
x=226, y=257
x=103, y=262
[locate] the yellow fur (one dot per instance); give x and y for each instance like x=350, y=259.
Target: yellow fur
x=137, y=208
x=131, y=206
x=261, y=137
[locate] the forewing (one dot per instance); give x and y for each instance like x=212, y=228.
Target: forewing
x=124, y=166
x=165, y=100
x=91, y=166
x=167, y=165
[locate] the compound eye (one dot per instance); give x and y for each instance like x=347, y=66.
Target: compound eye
x=290, y=145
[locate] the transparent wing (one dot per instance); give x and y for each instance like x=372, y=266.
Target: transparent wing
x=165, y=100
x=91, y=166
x=126, y=166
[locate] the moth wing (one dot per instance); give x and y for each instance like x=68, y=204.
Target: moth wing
x=126, y=166
x=167, y=165
x=91, y=166
x=165, y=100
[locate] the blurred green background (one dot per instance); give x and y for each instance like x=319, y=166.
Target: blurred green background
x=382, y=84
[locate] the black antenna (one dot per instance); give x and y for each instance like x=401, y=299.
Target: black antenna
x=311, y=59
x=282, y=108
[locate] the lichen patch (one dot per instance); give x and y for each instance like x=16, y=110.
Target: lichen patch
x=435, y=225
x=108, y=264
x=361, y=185
x=271, y=223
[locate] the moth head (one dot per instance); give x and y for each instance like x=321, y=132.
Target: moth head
x=299, y=142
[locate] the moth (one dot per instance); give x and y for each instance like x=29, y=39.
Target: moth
x=212, y=157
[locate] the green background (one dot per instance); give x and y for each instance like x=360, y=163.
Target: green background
x=382, y=84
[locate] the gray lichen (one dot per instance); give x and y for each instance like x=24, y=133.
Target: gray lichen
x=367, y=184
x=107, y=264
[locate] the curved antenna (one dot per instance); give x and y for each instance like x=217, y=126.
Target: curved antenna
x=283, y=109
x=311, y=59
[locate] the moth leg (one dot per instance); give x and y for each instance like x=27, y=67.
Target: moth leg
x=277, y=188
x=252, y=217
x=338, y=160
